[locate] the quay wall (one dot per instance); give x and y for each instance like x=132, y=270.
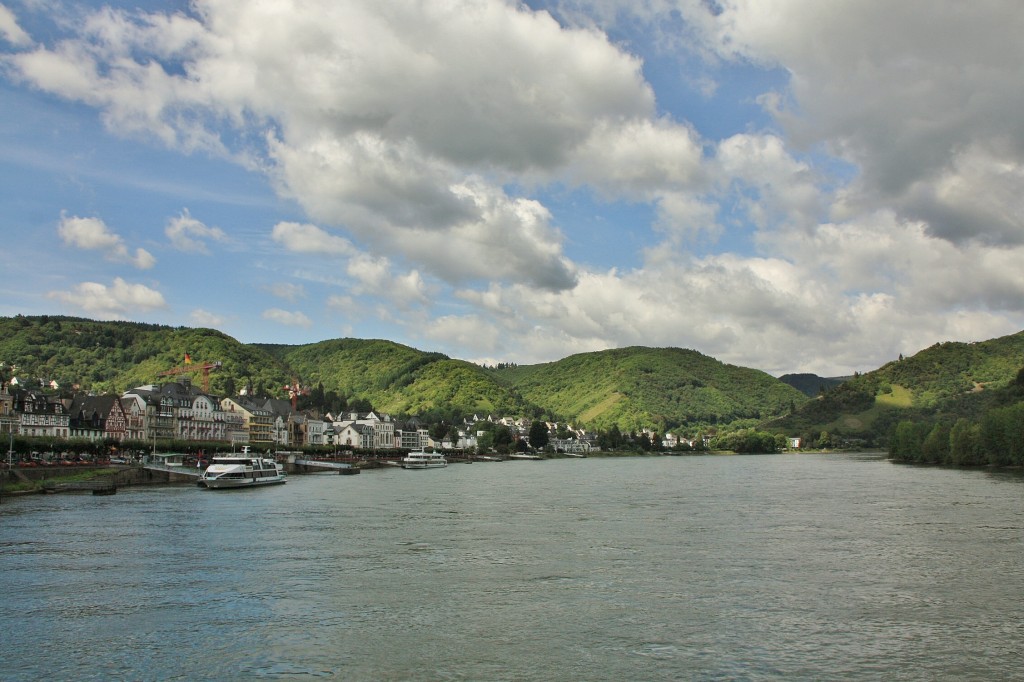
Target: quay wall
x=125, y=476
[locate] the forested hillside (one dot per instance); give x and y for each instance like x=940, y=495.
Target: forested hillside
x=115, y=356
x=811, y=384
x=400, y=380
x=943, y=383
x=631, y=388
x=641, y=387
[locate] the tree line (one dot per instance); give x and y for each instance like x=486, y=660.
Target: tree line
x=995, y=438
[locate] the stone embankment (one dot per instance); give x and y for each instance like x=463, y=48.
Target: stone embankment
x=75, y=478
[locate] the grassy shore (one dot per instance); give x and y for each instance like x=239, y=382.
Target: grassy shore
x=31, y=486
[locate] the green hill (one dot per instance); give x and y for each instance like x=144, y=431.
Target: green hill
x=633, y=388
x=947, y=380
x=641, y=387
x=115, y=356
x=399, y=379
x=811, y=384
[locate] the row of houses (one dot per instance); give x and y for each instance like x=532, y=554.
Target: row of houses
x=179, y=411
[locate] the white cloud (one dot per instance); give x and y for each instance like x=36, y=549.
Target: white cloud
x=188, y=234
x=467, y=331
x=204, y=318
x=390, y=124
x=925, y=108
x=847, y=297
x=287, y=318
x=640, y=159
x=342, y=303
x=772, y=186
x=374, y=277
x=11, y=31
x=119, y=300
x=305, y=238
x=94, y=235
x=287, y=291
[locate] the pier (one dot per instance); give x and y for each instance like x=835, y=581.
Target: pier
x=174, y=473
x=302, y=464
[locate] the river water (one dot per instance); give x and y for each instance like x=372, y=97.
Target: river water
x=788, y=567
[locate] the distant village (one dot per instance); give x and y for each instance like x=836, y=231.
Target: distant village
x=181, y=412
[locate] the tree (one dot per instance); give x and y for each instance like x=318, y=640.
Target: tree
x=935, y=449
x=995, y=443
x=538, y=434
x=502, y=438
x=963, y=443
x=438, y=430
x=906, y=442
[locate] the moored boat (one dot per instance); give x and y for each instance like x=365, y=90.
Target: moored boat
x=242, y=471
x=424, y=460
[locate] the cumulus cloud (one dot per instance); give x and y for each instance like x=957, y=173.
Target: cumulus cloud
x=389, y=124
x=188, y=234
x=374, y=277
x=288, y=318
x=923, y=108
x=117, y=301
x=94, y=235
x=640, y=159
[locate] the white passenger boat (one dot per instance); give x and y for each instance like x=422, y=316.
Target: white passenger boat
x=242, y=471
x=423, y=460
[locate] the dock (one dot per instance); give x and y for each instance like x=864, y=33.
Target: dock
x=327, y=464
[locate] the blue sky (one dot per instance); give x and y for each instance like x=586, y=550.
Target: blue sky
x=789, y=185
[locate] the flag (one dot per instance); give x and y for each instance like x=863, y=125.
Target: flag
x=188, y=359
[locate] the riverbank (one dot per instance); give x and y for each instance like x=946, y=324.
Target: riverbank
x=32, y=481
x=29, y=481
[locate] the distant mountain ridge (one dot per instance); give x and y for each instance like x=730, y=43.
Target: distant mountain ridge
x=633, y=388
x=811, y=384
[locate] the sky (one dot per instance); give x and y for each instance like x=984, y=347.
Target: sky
x=788, y=185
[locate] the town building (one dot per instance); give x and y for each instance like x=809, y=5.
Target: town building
x=97, y=418
x=41, y=415
x=257, y=420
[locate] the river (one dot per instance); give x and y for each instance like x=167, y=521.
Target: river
x=786, y=567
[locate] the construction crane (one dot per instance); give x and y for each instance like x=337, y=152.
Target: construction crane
x=189, y=367
x=294, y=391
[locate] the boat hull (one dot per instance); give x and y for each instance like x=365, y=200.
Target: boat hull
x=423, y=465
x=225, y=483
